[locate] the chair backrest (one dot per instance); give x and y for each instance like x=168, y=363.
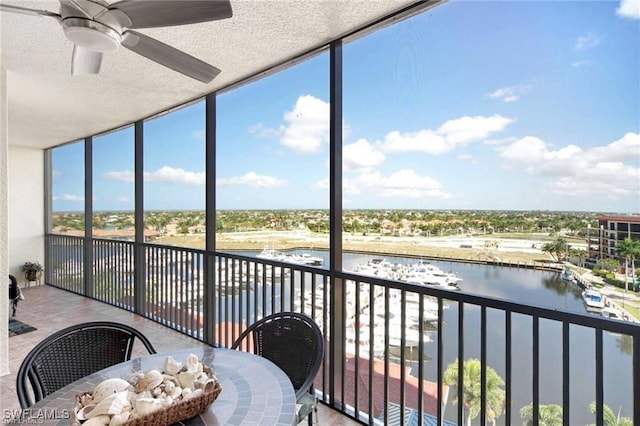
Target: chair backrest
x=13, y=287
x=73, y=353
x=292, y=341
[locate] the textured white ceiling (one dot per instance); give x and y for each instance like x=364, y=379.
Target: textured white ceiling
x=47, y=106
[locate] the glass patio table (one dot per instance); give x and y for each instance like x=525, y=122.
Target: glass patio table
x=254, y=390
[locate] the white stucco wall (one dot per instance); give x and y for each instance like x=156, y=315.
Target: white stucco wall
x=26, y=208
x=21, y=213
x=4, y=237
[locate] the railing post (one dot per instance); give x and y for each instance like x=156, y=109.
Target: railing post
x=88, y=217
x=209, y=296
x=139, y=258
x=336, y=342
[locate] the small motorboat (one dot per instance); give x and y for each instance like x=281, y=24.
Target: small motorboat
x=593, y=298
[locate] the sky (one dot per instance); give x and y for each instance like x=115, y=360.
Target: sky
x=501, y=105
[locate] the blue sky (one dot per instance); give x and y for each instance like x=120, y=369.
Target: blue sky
x=516, y=105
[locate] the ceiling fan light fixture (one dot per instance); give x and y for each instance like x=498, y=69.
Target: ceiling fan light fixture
x=91, y=35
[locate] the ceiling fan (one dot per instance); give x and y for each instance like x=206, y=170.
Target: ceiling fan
x=96, y=27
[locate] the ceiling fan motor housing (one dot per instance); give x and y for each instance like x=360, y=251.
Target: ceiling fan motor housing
x=91, y=35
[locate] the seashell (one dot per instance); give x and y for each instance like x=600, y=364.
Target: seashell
x=156, y=392
x=196, y=393
x=150, y=380
x=82, y=413
x=167, y=378
x=108, y=387
x=171, y=366
x=119, y=419
x=207, y=386
x=193, y=365
x=169, y=385
x=186, y=379
x=175, y=392
x=146, y=406
x=166, y=401
x=134, y=378
x=112, y=404
x=185, y=392
x=207, y=370
x=98, y=420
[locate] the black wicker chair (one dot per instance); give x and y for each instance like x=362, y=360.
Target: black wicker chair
x=73, y=353
x=14, y=294
x=294, y=343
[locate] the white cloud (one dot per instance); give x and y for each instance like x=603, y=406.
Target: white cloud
x=586, y=41
x=510, y=93
x=471, y=129
x=307, y=125
x=401, y=184
x=580, y=64
x=68, y=197
x=468, y=158
x=253, y=180
x=265, y=132
x=610, y=171
x=629, y=9
x=448, y=136
x=423, y=141
x=361, y=156
x=124, y=176
x=168, y=174
x=165, y=174
x=199, y=135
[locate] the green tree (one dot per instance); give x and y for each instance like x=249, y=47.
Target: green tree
x=548, y=415
x=609, y=417
x=472, y=389
x=630, y=250
x=557, y=249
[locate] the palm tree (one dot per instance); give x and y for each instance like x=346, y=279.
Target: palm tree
x=557, y=249
x=472, y=389
x=630, y=250
x=609, y=417
x=548, y=415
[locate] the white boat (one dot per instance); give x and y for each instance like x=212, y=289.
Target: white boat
x=567, y=275
x=593, y=298
x=304, y=259
x=271, y=254
x=611, y=312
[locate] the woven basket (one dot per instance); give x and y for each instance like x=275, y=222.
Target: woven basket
x=178, y=411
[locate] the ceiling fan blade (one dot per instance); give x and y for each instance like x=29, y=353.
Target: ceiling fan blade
x=169, y=13
x=27, y=11
x=169, y=56
x=85, y=61
x=80, y=8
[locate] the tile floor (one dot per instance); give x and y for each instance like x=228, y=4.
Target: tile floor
x=50, y=309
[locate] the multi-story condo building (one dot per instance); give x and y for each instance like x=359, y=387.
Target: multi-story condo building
x=603, y=242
